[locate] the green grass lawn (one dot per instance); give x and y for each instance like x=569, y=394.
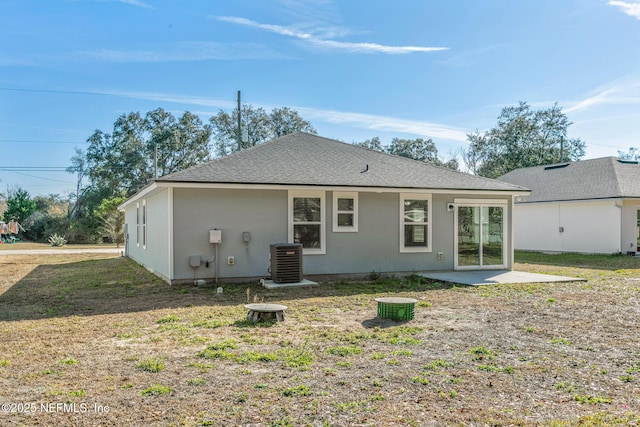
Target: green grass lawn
x=598, y=261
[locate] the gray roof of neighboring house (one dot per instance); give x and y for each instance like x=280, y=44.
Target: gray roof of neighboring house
x=304, y=159
x=602, y=178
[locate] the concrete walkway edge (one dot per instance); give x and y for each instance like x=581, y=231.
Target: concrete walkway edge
x=492, y=277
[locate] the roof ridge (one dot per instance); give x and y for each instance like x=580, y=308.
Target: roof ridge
x=301, y=158
x=230, y=155
x=614, y=163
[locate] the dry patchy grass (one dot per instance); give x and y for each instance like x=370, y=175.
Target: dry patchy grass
x=96, y=340
x=25, y=245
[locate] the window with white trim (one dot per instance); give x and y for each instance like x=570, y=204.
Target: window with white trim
x=307, y=220
x=144, y=224
x=138, y=224
x=345, y=212
x=415, y=222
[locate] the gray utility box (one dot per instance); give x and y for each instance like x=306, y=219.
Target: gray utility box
x=286, y=262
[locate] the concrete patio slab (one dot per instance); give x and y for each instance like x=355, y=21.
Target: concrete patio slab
x=492, y=277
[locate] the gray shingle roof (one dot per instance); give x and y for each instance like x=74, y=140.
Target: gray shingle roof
x=304, y=159
x=602, y=178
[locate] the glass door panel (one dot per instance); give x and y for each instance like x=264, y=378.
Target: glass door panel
x=468, y=236
x=492, y=235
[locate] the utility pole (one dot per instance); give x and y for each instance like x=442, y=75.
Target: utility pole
x=561, y=148
x=155, y=160
x=239, y=130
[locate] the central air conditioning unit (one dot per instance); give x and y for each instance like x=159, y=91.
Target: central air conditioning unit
x=286, y=262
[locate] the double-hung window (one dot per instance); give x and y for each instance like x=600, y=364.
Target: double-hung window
x=345, y=212
x=307, y=220
x=415, y=222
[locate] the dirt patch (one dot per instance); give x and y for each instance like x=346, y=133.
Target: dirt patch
x=96, y=340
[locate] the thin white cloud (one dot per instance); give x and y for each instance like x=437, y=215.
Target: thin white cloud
x=630, y=8
x=625, y=91
x=322, y=41
x=163, y=97
x=371, y=47
x=136, y=3
x=355, y=120
x=184, y=51
x=385, y=123
x=278, y=29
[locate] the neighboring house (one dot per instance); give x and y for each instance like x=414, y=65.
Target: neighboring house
x=590, y=206
x=354, y=210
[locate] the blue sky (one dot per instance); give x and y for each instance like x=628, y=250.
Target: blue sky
x=356, y=69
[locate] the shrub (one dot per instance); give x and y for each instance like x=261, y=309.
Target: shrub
x=57, y=240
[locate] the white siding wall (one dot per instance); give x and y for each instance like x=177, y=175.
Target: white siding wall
x=629, y=225
x=155, y=256
x=589, y=226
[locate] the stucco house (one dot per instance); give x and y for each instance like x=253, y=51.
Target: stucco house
x=354, y=211
x=590, y=206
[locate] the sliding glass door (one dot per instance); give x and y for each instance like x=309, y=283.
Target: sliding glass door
x=480, y=238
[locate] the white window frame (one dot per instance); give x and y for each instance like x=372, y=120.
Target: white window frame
x=144, y=224
x=480, y=203
x=138, y=224
x=323, y=223
x=428, y=222
x=337, y=228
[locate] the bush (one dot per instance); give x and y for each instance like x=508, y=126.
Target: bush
x=56, y=240
x=40, y=226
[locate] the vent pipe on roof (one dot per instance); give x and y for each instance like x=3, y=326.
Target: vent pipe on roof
x=558, y=166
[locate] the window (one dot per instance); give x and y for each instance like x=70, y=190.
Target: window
x=307, y=221
x=137, y=224
x=345, y=212
x=415, y=223
x=144, y=224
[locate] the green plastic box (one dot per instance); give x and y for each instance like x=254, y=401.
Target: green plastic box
x=396, y=311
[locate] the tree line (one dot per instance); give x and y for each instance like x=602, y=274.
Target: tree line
x=140, y=147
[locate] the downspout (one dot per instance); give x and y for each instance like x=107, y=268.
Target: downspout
x=512, y=239
x=622, y=248
x=170, y=228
